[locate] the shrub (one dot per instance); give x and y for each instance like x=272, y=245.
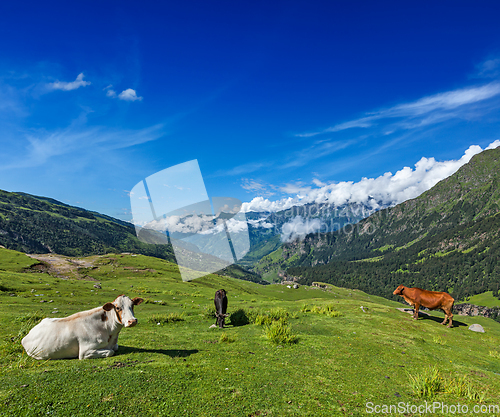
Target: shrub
x=239, y=318
x=280, y=333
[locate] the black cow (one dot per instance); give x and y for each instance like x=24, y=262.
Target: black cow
x=220, y=302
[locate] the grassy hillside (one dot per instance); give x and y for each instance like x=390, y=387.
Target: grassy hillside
x=34, y=224
x=485, y=299
x=173, y=364
x=41, y=225
x=447, y=239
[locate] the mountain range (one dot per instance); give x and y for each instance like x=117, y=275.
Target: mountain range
x=33, y=224
x=446, y=239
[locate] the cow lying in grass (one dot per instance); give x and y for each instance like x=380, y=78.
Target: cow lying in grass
x=84, y=335
x=433, y=300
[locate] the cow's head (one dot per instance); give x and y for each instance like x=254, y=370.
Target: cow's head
x=124, y=309
x=399, y=290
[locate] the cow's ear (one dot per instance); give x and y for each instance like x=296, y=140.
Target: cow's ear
x=108, y=306
x=137, y=301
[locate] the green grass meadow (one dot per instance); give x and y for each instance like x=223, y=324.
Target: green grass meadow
x=337, y=358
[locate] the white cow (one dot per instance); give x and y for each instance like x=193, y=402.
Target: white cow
x=84, y=335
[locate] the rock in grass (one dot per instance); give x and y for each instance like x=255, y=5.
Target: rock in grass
x=476, y=328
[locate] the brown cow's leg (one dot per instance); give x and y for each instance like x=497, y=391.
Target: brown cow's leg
x=446, y=317
x=450, y=318
x=416, y=306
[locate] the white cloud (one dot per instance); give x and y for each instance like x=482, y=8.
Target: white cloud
x=318, y=183
x=299, y=228
x=432, y=109
x=109, y=91
x=68, y=86
x=262, y=222
x=264, y=204
x=129, y=95
x=493, y=145
x=387, y=189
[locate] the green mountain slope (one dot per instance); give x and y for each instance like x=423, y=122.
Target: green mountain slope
x=40, y=225
x=267, y=229
x=173, y=364
x=34, y=224
x=446, y=239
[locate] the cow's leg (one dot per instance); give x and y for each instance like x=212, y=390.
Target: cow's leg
x=416, y=306
x=95, y=353
x=448, y=317
x=114, y=343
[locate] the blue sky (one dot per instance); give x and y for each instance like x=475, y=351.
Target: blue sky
x=274, y=99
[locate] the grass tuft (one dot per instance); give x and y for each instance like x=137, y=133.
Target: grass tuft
x=438, y=340
x=426, y=384
x=430, y=382
x=209, y=312
x=327, y=310
x=495, y=354
x=165, y=318
x=463, y=387
x=224, y=338
x=157, y=302
x=280, y=333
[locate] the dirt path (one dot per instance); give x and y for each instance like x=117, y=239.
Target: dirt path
x=62, y=266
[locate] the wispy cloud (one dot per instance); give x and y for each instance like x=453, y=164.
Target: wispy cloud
x=242, y=169
x=488, y=69
x=317, y=150
x=257, y=186
x=77, y=139
x=68, y=86
x=427, y=110
x=109, y=91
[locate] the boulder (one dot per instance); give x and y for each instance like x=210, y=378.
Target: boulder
x=476, y=328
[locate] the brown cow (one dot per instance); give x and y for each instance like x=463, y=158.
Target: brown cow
x=433, y=300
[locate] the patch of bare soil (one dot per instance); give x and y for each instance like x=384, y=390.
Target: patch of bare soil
x=62, y=266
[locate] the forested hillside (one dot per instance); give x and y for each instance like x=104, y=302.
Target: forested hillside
x=34, y=224
x=446, y=239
